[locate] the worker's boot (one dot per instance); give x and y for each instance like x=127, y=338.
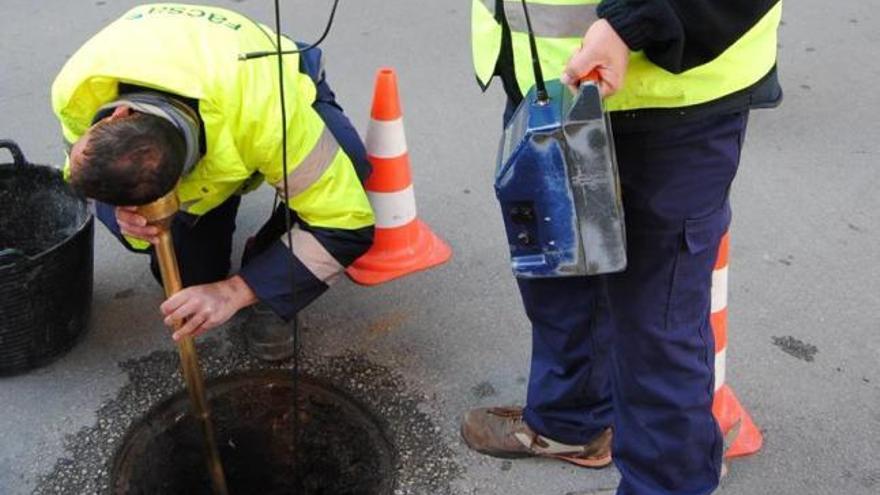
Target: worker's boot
x=269, y=337
x=502, y=432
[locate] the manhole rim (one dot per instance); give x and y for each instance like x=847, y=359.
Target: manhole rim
x=215, y=386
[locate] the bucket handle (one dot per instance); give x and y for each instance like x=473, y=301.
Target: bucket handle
x=17, y=156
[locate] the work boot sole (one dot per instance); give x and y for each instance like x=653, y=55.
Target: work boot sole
x=601, y=462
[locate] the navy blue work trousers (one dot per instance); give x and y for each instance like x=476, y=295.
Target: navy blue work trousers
x=634, y=350
x=203, y=244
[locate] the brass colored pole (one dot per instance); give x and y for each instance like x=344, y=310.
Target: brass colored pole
x=159, y=214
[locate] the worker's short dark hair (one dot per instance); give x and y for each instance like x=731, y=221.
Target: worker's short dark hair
x=130, y=161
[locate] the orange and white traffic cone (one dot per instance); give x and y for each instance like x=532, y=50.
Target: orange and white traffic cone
x=728, y=411
x=403, y=244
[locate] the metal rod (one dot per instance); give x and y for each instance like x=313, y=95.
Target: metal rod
x=159, y=214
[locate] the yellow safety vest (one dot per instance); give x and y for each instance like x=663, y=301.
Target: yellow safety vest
x=193, y=51
x=559, y=26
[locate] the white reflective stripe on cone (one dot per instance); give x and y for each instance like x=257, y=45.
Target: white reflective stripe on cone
x=720, y=368
x=314, y=256
x=393, y=209
x=386, y=139
x=719, y=289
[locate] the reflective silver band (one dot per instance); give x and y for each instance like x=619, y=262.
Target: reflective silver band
x=313, y=165
x=548, y=21
x=314, y=256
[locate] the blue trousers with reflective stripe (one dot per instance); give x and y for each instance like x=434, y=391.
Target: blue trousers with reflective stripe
x=204, y=244
x=634, y=350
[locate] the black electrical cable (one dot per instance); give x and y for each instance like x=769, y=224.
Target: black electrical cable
x=541, y=89
x=266, y=53
x=288, y=223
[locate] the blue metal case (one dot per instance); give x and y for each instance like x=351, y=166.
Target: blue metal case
x=558, y=187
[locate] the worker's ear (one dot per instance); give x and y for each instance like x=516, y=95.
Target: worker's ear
x=120, y=111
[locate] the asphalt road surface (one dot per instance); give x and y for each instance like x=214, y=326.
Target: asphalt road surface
x=804, y=289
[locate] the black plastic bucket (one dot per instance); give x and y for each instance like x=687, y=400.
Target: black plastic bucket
x=46, y=258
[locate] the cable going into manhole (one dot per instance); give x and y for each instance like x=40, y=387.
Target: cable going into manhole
x=279, y=53
x=289, y=229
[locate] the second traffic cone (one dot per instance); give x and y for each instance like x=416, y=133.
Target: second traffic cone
x=403, y=244
x=733, y=419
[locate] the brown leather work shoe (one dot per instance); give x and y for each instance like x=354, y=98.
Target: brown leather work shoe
x=501, y=432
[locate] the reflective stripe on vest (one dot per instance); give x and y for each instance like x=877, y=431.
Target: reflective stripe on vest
x=312, y=167
x=552, y=19
x=314, y=256
x=560, y=24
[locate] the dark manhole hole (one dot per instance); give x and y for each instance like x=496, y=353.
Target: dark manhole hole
x=344, y=450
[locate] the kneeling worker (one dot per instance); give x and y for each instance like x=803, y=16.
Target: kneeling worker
x=158, y=99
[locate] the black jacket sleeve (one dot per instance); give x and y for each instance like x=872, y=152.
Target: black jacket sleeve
x=678, y=35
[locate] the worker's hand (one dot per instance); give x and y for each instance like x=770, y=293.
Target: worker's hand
x=135, y=225
x=603, y=51
x=202, y=307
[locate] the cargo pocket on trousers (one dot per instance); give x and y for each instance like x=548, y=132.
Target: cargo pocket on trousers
x=690, y=297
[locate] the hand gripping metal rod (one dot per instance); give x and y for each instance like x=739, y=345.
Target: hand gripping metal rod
x=159, y=213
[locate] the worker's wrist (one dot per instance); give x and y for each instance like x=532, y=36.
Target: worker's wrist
x=626, y=22
x=241, y=293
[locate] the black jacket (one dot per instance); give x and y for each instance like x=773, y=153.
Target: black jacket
x=681, y=34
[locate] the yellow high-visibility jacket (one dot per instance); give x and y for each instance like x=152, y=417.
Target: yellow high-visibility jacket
x=193, y=51
x=559, y=26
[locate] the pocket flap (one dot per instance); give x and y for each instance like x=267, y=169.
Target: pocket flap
x=706, y=232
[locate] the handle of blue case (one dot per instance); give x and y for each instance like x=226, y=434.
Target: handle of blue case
x=593, y=76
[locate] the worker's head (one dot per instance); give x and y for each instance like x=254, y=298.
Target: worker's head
x=128, y=158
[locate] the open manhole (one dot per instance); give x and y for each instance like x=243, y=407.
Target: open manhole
x=344, y=450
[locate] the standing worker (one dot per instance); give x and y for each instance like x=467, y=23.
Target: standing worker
x=160, y=99
x=633, y=352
